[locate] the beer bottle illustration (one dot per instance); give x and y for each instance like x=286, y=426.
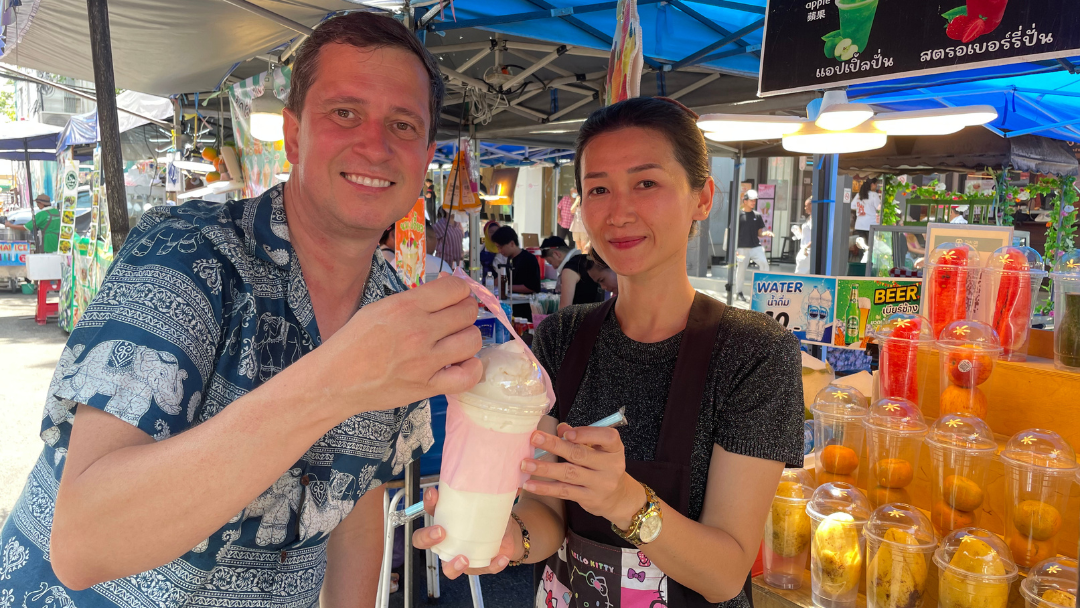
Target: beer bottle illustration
x=851, y=318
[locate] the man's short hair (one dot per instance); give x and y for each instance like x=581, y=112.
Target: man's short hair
x=504, y=236
x=364, y=31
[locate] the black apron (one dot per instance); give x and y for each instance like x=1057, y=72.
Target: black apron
x=596, y=567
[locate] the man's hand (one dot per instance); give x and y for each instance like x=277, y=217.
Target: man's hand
x=403, y=348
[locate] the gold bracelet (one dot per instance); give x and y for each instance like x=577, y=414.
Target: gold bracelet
x=524, y=540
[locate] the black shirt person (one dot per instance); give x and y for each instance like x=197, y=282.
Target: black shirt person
x=526, y=270
x=575, y=286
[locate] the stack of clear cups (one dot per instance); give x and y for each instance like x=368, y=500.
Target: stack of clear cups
x=951, y=267
x=961, y=448
x=787, y=530
x=968, y=352
x=1009, y=287
x=899, y=340
x=975, y=570
x=900, y=543
x=1066, y=277
x=838, y=511
x=894, y=435
x=1039, y=469
x=1051, y=583
x=838, y=412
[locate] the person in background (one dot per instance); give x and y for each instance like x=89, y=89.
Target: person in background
x=526, y=270
x=867, y=207
x=433, y=264
x=449, y=239
x=489, y=252
x=956, y=214
x=577, y=228
x=566, y=214
x=751, y=229
x=387, y=244
x=430, y=200
x=46, y=221
x=802, y=234
x=574, y=285
x=601, y=274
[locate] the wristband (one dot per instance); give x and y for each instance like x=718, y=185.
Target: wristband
x=524, y=540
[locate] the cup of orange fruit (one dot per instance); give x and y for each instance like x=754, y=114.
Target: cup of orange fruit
x=968, y=351
x=975, y=570
x=961, y=448
x=894, y=435
x=787, y=530
x=1039, y=470
x=838, y=411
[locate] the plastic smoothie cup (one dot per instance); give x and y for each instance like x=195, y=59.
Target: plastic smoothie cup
x=1010, y=286
x=894, y=435
x=1039, y=470
x=1066, y=277
x=975, y=570
x=787, y=530
x=838, y=511
x=961, y=448
x=969, y=351
x=949, y=270
x=1051, y=584
x=856, y=20
x=900, y=546
x=899, y=341
x=838, y=412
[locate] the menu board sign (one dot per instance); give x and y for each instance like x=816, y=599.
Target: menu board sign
x=820, y=44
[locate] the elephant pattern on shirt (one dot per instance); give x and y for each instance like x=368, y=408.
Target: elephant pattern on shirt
x=326, y=505
x=131, y=375
x=275, y=506
x=415, y=433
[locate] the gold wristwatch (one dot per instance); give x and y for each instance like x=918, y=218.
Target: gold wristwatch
x=646, y=524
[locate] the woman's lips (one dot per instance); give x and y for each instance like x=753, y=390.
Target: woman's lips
x=626, y=243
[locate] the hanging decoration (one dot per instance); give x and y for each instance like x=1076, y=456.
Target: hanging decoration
x=263, y=163
x=627, y=56
x=463, y=186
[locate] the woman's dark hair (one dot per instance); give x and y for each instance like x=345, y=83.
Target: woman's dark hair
x=386, y=235
x=677, y=123
x=864, y=189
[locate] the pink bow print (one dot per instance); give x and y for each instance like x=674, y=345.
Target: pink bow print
x=640, y=576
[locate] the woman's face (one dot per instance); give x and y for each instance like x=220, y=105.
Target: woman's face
x=636, y=202
x=605, y=278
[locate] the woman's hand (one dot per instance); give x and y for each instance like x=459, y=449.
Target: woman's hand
x=593, y=474
x=428, y=537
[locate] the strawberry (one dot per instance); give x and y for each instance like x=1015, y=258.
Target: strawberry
x=959, y=26
x=974, y=30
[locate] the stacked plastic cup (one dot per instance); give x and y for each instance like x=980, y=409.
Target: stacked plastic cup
x=900, y=544
x=899, y=340
x=961, y=448
x=968, y=352
x=838, y=511
x=1066, y=278
x=838, y=412
x=894, y=436
x=975, y=570
x=1009, y=287
x=1039, y=470
x=1051, y=583
x=951, y=268
x=787, y=530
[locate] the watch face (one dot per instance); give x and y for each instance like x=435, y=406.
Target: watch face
x=650, y=528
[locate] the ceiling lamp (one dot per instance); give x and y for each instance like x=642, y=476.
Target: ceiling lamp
x=267, y=124
x=936, y=121
x=838, y=115
x=742, y=127
x=813, y=139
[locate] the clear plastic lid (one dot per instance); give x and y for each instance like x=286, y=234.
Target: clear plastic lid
x=1067, y=268
x=512, y=380
x=1018, y=260
x=1041, y=449
x=955, y=255
x=839, y=401
x=902, y=525
x=796, y=485
x=839, y=497
x=896, y=415
x=1060, y=568
x=976, y=552
x=969, y=334
x=1051, y=583
x=904, y=326
x=960, y=432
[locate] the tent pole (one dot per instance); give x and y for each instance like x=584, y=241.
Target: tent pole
x=112, y=160
x=733, y=227
x=38, y=245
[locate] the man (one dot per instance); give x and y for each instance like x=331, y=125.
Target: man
x=220, y=423
x=956, y=214
x=47, y=221
x=803, y=234
x=430, y=201
x=525, y=268
x=566, y=214
x=751, y=229
x=573, y=283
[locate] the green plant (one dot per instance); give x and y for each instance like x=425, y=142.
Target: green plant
x=1061, y=229
x=890, y=209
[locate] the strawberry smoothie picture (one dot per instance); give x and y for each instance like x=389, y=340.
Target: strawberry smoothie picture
x=977, y=17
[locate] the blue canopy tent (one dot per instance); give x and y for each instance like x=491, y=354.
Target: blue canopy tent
x=26, y=141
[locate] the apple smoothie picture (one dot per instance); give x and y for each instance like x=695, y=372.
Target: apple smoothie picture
x=856, y=21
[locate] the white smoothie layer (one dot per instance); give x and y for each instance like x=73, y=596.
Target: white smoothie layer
x=474, y=524
x=502, y=422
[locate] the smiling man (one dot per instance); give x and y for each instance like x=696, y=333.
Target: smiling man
x=223, y=416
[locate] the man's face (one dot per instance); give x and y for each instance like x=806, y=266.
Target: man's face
x=509, y=250
x=360, y=148
x=748, y=204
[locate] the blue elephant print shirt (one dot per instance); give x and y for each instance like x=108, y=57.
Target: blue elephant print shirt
x=204, y=303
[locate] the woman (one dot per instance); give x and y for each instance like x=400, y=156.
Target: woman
x=802, y=234
x=601, y=274
x=450, y=239
x=386, y=245
x=711, y=440
x=577, y=227
x=867, y=208
x=491, y=250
